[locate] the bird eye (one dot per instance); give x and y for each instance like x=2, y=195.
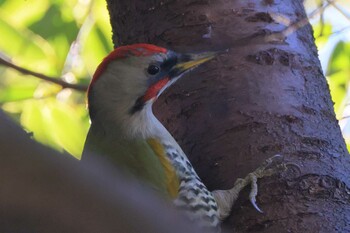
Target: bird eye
x=153, y=69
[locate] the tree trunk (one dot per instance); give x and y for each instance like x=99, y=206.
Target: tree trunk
x=260, y=99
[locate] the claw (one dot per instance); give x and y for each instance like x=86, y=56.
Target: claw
x=253, y=201
x=226, y=198
x=254, y=191
x=273, y=161
x=264, y=170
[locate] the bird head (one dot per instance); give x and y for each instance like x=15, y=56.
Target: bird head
x=132, y=77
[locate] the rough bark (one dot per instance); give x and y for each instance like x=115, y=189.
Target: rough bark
x=260, y=99
x=42, y=191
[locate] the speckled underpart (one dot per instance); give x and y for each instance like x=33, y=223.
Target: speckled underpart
x=194, y=197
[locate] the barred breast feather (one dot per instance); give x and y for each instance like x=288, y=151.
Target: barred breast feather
x=191, y=195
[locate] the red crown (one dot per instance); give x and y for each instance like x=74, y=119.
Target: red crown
x=125, y=51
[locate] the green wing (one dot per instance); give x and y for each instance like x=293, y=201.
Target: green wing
x=135, y=157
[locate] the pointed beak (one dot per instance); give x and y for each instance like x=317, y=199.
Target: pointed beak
x=186, y=62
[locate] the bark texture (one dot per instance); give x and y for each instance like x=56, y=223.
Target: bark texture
x=260, y=99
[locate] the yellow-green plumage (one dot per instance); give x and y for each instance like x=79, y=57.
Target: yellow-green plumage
x=125, y=131
x=171, y=179
x=134, y=156
x=160, y=162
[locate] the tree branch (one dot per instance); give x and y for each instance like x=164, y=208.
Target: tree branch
x=44, y=191
x=54, y=80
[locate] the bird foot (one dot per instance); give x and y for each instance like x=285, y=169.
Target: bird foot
x=226, y=198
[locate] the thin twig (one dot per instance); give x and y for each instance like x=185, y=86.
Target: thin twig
x=345, y=14
x=280, y=36
x=336, y=32
x=344, y=117
x=322, y=22
x=54, y=80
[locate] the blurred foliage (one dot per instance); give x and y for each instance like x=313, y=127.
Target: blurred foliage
x=332, y=34
x=67, y=39
x=61, y=38
x=338, y=76
x=338, y=73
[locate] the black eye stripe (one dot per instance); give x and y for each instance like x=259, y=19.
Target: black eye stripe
x=156, y=72
x=164, y=69
x=138, y=106
x=169, y=63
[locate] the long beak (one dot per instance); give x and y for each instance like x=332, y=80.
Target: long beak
x=187, y=62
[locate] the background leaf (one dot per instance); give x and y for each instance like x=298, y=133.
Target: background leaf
x=62, y=38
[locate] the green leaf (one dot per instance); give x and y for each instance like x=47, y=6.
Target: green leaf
x=56, y=124
x=347, y=141
x=322, y=33
x=61, y=46
x=17, y=13
x=54, y=24
x=16, y=93
x=94, y=43
x=98, y=38
x=20, y=41
x=107, y=45
x=40, y=34
x=36, y=118
x=69, y=129
x=340, y=58
x=338, y=84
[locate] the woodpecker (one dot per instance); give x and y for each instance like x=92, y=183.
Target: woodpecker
x=125, y=131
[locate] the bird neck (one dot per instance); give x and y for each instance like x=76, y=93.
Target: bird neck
x=145, y=125
x=139, y=125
